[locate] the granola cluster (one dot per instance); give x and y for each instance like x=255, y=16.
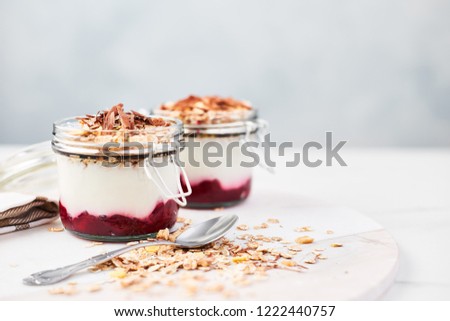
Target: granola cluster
x=195, y=110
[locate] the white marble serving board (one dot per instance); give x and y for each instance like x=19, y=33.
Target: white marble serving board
x=363, y=269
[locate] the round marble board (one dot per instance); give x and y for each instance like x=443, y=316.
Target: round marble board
x=362, y=269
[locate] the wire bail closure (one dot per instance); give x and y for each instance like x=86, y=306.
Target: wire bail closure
x=179, y=198
x=262, y=128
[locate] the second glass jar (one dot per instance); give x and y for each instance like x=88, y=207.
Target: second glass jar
x=218, y=159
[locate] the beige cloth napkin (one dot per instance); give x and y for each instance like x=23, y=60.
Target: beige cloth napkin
x=21, y=211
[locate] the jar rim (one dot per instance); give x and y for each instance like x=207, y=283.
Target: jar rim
x=232, y=116
x=154, y=140
x=59, y=125
x=235, y=127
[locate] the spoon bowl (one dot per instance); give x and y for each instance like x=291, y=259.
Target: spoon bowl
x=196, y=236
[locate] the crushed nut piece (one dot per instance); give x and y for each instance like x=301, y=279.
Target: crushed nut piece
x=336, y=245
x=304, y=240
x=239, y=259
x=273, y=221
x=163, y=234
x=55, y=229
x=152, y=248
x=118, y=273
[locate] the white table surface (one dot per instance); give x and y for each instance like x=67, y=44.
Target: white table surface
x=406, y=190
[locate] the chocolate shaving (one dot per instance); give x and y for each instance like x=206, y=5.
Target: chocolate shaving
x=116, y=118
x=207, y=103
x=207, y=109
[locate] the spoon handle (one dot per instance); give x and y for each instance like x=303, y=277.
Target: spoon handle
x=59, y=274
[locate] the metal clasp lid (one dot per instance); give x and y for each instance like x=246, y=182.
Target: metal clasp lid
x=180, y=197
x=262, y=128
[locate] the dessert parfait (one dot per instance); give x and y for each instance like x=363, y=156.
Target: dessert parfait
x=214, y=124
x=118, y=177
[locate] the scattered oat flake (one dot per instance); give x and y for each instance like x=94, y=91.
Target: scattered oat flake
x=261, y=226
x=253, y=245
x=286, y=255
x=336, y=245
x=217, y=287
x=311, y=261
x=94, y=288
x=240, y=264
x=304, y=240
x=288, y=263
x=294, y=247
x=276, y=238
x=330, y=231
x=55, y=229
x=70, y=290
x=273, y=221
x=92, y=244
x=303, y=229
x=242, y=227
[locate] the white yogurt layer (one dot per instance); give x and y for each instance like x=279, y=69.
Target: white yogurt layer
x=230, y=175
x=102, y=190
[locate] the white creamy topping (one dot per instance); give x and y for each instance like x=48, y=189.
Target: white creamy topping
x=102, y=190
x=229, y=177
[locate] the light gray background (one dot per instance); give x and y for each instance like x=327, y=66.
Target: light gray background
x=377, y=72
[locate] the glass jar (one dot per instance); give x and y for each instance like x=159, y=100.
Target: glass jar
x=121, y=185
x=221, y=180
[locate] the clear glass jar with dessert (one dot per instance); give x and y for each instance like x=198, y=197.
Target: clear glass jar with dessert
x=223, y=125
x=119, y=179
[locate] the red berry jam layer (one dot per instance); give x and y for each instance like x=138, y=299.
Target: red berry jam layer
x=210, y=193
x=163, y=216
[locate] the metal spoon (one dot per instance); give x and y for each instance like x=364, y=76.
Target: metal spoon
x=196, y=236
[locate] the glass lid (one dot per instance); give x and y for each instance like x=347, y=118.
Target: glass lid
x=31, y=170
